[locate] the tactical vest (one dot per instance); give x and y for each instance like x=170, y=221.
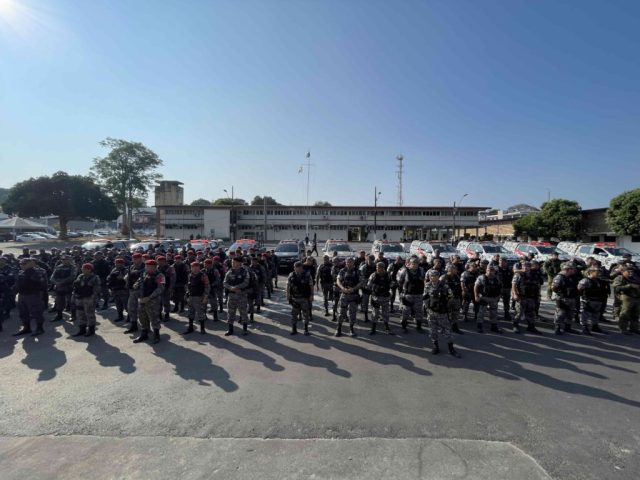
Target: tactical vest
x=196, y=284
x=325, y=274
x=299, y=286
x=237, y=277
x=149, y=283
x=82, y=287
x=62, y=272
x=438, y=301
x=134, y=274
x=529, y=286
x=469, y=278
x=594, y=290
x=568, y=287
x=349, y=278
x=381, y=285
x=454, y=284
x=414, y=282
x=29, y=282
x=116, y=283
x=491, y=287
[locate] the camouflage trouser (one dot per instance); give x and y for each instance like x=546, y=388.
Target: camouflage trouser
x=413, y=306
x=629, y=313
x=327, y=293
x=392, y=300
x=454, y=309
x=259, y=294
x=488, y=304
x=237, y=301
x=468, y=299
x=104, y=290
x=590, y=312
x=336, y=301
x=505, y=295
x=120, y=297
x=133, y=306
x=165, y=303
x=525, y=311
x=150, y=314
x=348, y=308
x=196, y=309
x=300, y=305
x=565, y=311
x=86, y=311
x=549, y=285
x=219, y=293
x=31, y=306
x=440, y=325
x=364, y=306
x=381, y=311
x=62, y=300
x=617, y=305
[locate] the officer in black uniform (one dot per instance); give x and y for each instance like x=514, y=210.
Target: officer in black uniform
x=324, y=280
x=300, y=296
x=30, y=286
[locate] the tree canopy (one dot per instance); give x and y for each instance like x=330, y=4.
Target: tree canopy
x=623, y=214
x=320, y=203
x=66, y=196
x=126, y=174
x=557, y=218
x=200, y=202
x=258, y=200
x=228, y=201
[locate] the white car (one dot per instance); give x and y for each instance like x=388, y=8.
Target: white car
x=29, y=237
x=46, y=235
x=607, y=252
x=486, y=251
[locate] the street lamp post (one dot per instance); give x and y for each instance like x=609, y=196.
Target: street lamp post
x=455, y=211
x=233, y=218
x=376, y=194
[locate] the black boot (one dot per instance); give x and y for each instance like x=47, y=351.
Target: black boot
x=251, y=318
x=132, y=328
x=105, y=305
x=58, y=317
x=479, y=328
x=531, y=328
x=38, y=331
x=403, y=324
x=452, y=350
x=419, y=327
x=91, y=331
x=387, y=328
x=373, y=329
x=215, y=315
x=352, y=331
x=166, y=316
x=436, y=348
x=585, y=330
x=156, y=336
x=120, y=318
x=456, y=329
x=495, y=328
x=175, y=309
x=338, y=332
x=245, y=329
x=81, y=331
x=596, y=328
x=294, y=329
x=366, y=317
x=334, y=319
x=558, y=331
x=221, y=309
x=142, y=337
x=568, y=329
x=306, y=330
x=229, y=330
x=326, y=312
x=189, y=328
x=22, y=331
x=258, y=309
x=202, y=330
x=516, y=328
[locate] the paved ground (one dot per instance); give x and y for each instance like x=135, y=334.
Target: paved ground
x=515, y=406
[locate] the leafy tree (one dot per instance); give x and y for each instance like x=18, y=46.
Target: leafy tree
x=258, y=200
x=530, y=225
x=126, y=174
x=4, y=193
x=228, y=201
x=63, y=195
x=623, y=214
x=200, y=202
x=320, y=203
x=557, y=218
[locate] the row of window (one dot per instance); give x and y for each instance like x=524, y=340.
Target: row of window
x=177, y=211
x=360, y=213
x=183, y=226
x=381, y=228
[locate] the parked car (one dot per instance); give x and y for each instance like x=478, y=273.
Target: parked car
x=421, y=247
x=486, y=251
x=607, y=252
x=74, y=234
x=29, y=237
x=289, y=252
x=47, y=235
x=343, y=249
x=541, y=250
x=391, y=250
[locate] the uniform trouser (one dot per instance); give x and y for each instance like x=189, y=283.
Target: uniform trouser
x=133, y=306
x=381, y=307
x=590, y=312
x=440, y=325
x=251, y=302
x=629, y=313
x=62, y=300
x=364, y=306
x=454, y=309
x=120, y=297
x=219, y=291
x=165, y=303
x=260, y=294
x=104, y=290
x=300, y=306
x=525, y=311
x=617, y=305
x=269, y=286
x=178, y=295
x=505, y=295
x=31, y=306
x=150, y=314
x=348, y=308
x=467, y=299
x=196, y=309
x=86, y=311
x=336, y=301
x=488, y=304
x=412, y=305
x=549, y=285
x=327, y=291
x=565, y=311
x=213, y=301
x=237, y=302
x=392, y=300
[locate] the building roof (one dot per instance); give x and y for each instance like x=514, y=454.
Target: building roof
x=341, y=207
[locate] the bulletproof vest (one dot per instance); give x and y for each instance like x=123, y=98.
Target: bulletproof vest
x=236, y=277
x=491, y=286
x=83, y=287
x=381, y=285
x=325, y=274
x=505, y=275
x=438, y=301
x=134, y=274
x=211, y=275
x=114, y=281
x=195, y=286
x=568, y=287
x=62, y=272
x=350, y=278
x=299, y=286
x=469, y=278
x=594, y=290
x=454, y=284
x=30, y=282
x=414, y=282
x=149, y=283
x=529, y=286
x=101, y=268
x=367, y=270
x=182, y=273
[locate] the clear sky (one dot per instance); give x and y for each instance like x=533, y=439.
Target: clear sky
x=498, y=99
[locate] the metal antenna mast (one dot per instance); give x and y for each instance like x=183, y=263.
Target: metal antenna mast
x=400, y=159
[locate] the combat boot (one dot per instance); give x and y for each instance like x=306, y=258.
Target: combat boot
x=453, y=351
x=91, y=331
x=596, y=328
x=245, y=329
x=105, y=305
x=352, y=331
x=558, y=331
x=585, y=330
x=387, y=328
x=175, y=308
x=306, y=330
x=215, y=315
x=495, y=328
x=221, y=308
x=294, y=329
x=568, y=329
x=373, y=329
x=39, y=331
x=142, y=337
x=132, y=328
x=516, y=328
x=189, y=328
x=334, y=318
x=81, y=331
x=338, y=332
x=479, y=328
x=419, y=327
x=156, y=336
x=456, y=329
x=531, y=328
x=251, y=318
x=22, y=331
x=366, y=317
x=229, y=330
x=166, y=316
x=120, y=318
x=258, y=308
x=436, y=348
x=202, y=330
x=58, y=317
x=326, y=312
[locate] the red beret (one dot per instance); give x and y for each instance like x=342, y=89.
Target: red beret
x=195, y=264
x=191, y=252
x=151, y=262
x=137, y=255
x=88, y=266
x=161, y=258
x=178, y=257
x=146, y=256
x=119, y=260
x=216, y=258
x=208, y=261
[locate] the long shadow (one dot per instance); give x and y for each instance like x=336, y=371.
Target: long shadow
x=192, y=365
x=7, y=340
x=43, y=355
x=110, y=356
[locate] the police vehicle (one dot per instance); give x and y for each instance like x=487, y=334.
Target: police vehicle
x=289, y=252
x=487, y=250
x=541, y=250
x=607, y=252
x=391, y=250
x=339, y=248
x=420, y=247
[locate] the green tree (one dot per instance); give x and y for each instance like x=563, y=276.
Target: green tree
x=320, y=203
x=229, y=201
x=200, y=202
x=66, y=196
x=623, y=214
x=557, y=218
x=258, y=200
x=4, y=193
x=530, y=225
x=126, y=174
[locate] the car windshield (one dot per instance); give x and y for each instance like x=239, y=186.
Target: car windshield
x=287, y=247
x=619, y=251
x=338, y=248
x=494, y=249
x=546, y=250
x=444, y=247
x=243, y=246
x=392, y=248
x=561, y=252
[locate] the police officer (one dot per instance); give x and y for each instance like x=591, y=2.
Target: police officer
x=393, y=270
x=150, y=288
x=236, y=281
x=218, y=289
x=336, y=267
x=260, y=269
x=30, y=285
x=367, y=269
x=468, y=280
x=348, y=282
x=412, y=289
x=627, y=286
x=300, y=296
x=505, y=274
x=379, y=283
x=198, y=289
x=487, y=293
x=136, y=270
x=117, y=283
x=169, y=281
x=525, y=290
x=215, y=282
x=324, y=280
x=552, y=267
x=452, y=279
x=7, y=280
x=436, y=297
x=86, y=289
x=182, y=275
x=62, y=279
x=565, y=287
x=102, y=268
x=593, y=292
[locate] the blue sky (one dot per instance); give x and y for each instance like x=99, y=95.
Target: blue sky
x=498, y=99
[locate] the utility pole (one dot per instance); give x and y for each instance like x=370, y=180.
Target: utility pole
x=233, y=219
x=455, y=211
x=376, y=194
x=400, y=159
x=308, y=165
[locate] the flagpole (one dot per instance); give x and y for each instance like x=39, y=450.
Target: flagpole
x=308, y=178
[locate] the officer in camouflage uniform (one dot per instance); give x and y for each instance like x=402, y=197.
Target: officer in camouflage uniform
x=349, y=282
x=117, y=283
x=505, y=274
x=218, y=289
x=468, y=281
x=335, y=270
x=236, y=281
x=86, y=289
x=565, y=287
x=324, y=281
x=413, y=289
x=150, y=286
x=525, y=290
x=436, y=297
x=452, y=279
x=215, y=284
x=101, y=268
x=593, y=293
x=198, y=289
x=62, y=278
x=136, y=270
x=169, y=281
x=31, y=285
x=487, y=293
x=551, y=267
x=627, y=285
x=367, y=269
x=379, y=283
x=393, y=270
x=300, y=296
